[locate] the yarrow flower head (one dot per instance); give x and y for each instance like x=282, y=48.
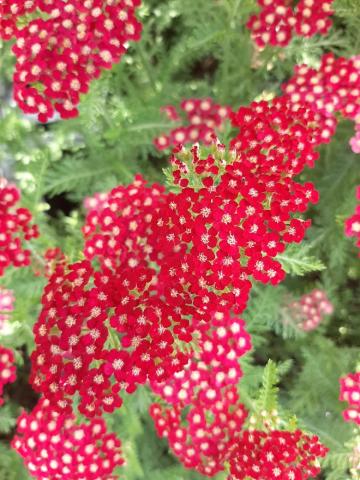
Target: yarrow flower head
x=64, y=47
x=308, y=312
x=241, y=203
x=279, y=20
x=100, y=332
x=350, y=393
x=204, y=118
x=159, y=266
x=276, y=454
x=332, y=88
x=203, y=413
x=352, y=224
x=201, y=437
x=7, y=369
x=15, y=227
x=55, y=446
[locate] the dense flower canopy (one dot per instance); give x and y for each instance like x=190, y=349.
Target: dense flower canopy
x=165, y=295
x=161, y=265
x=203, y=413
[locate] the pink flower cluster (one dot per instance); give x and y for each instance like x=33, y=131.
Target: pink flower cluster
x=350, y=393
x=352, y=224
x=55, y=447
x=276, y=454
x=203, y=119
x=7, y=369
x=14, y=227
x=332, y=88
x=279, y=20
x=64, y=48
x=308, y=312
x=7, y=300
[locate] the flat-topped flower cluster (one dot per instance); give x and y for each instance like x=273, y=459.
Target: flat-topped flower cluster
x=63, y=47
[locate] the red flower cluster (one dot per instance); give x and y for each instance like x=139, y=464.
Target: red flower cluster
x=350, y=392
x=333, y=88
x=54, y=446
x=201, y=438
x=242, y=204
x=207, y=386
x=279, y=20
x=275, y=455
x=220, y=344
x=14, y=227
x=308, y=312
x=7, y=369
x=62, y=50
x=352, y=224
x=100, y=332
x=118, y=228
x=164, y=264
x=203, y=119
x=7, y=300
x=234, y=213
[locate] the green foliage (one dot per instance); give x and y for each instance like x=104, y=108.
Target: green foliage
x=268, y=398
x=11, y=466
x=297, y=261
